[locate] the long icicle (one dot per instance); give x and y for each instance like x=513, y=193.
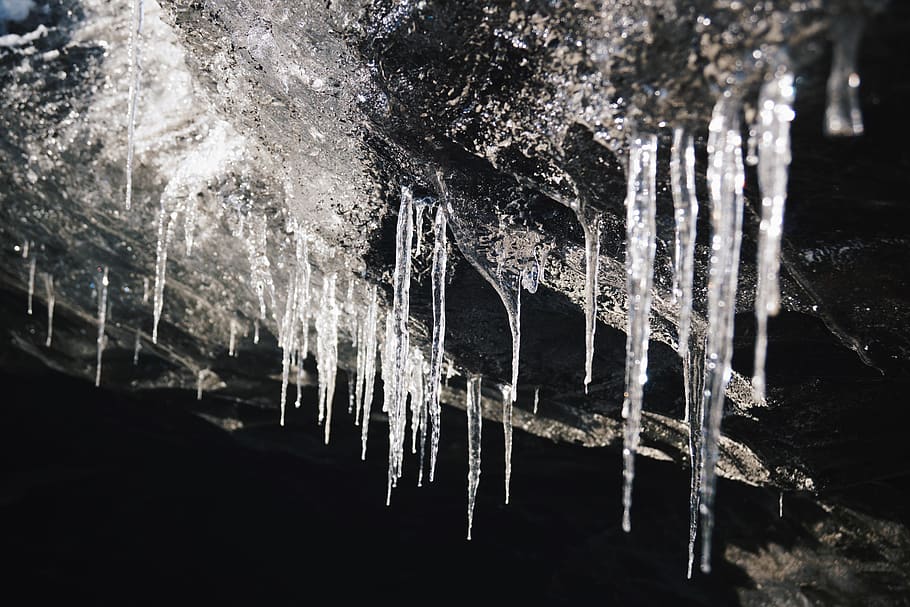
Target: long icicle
x=51, y=301
x=102, y=319
x=369, y=368
x=440, y=259
x=726, y=175
x=775, y=112
x=397, y=338
x=475, y=426
x=134, y=73
x=507, y=401
x=592, y=229
x=327, y=351
x=640, y=228
x=287, y=340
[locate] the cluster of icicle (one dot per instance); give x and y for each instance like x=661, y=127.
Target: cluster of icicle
x=413, y=383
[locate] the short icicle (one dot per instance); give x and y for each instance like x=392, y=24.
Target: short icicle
x=232, y=339
x=507, y=401
x=536, y=399
x=135, y=68
x=199, y=377
x=843, y=116
x=440, y=259
x=726, y=175
x=166, y=221
x=640, y=232
x=397, y=339
x=102, y=319
x=51, y=301
x=31, y=282
x=775, y=112
x=475, y=426
x=137, y=345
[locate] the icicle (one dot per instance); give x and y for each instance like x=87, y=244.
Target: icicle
x=507, y=400
x=102, y=318
x=685, y=204
x=145, y=289
x=419, y=208
x=440, y=259
x=135, y=70
x=287, y=341
x=327, y=351
x=136, y=347
x=166, y=221
x=232, y=341
x=640, y=228
x=260, y=272
x=51, y=300
x=726, y=175
x=368, y=343
x=475, y=425
x=256, y=331
x=302, y=257
x=843, y=117
x=416, y=393
x=397, y=338
x=299, y=380
x=352, y=399
x=199, y=376
x=25, y=248
x=780, y=506
x=190, y=213
x=536, y=398
x=592, y=229
x=693, y=374
x=775, y=112
x=31, y=283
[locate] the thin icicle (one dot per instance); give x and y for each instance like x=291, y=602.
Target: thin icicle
x=232, y=341
x=134, y=73
x=190, y=214
x=780, y=506
x=31, y=282
x=51, y=301
x=397, y=339
x=592, y=229
x=440, y=259
x=416, y=394
x=302, y=257
x=102, y=319
x=726, y=175
x=475, y=426
x=536, y=398
x=199, y=377
x=145, y=289
x=693, y=375
x=166, y=221
x=368, y=343
x=775, y=112
x=256, y=331
x=507, y=400
x=685, y=204
x=843, y=116
x=287, y=341
x=25, y=248
x=641, y=201
x=327, y=351
x=136, y=347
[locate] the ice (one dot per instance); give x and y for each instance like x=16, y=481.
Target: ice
x=507, y=401
x=102, y=319
x=591, y=224
x=135, y=70
x=255, y=330
x=536, y=398
x=31, y=282
x=166, y=220
x=775, y=112
x=640, y=232
x=327, y=351
x=260, y=267
x=190, y=213
x=843, y=117
x=685, y=205
x=440, y=259
x=25, y=248
x=475, y=425
x=368, y=344
x=51, y=301
x=137, y=346
x=419, y=207
x=145, y=289
x=416, y=397
x=199, y=377
x=232, y=340
x=726, y=175
x=395, y=363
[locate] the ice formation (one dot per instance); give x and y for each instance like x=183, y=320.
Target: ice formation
x=412, y=378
